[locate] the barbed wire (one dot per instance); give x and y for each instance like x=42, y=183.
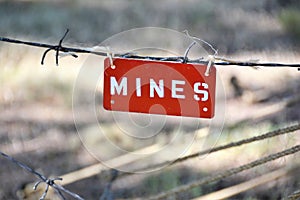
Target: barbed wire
x=59, y=48
x=294, y=196
x=107, y=193
x=50, y=182
x=225, y=174
x=184, y=59
x=267, y=135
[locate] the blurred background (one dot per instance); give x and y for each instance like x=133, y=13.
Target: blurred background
x=36, y=119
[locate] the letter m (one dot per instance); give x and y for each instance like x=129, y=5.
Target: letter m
x=116, y=87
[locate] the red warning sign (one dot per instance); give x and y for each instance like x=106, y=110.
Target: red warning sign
x=157, y=87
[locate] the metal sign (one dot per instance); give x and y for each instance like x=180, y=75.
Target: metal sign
x=158, y=87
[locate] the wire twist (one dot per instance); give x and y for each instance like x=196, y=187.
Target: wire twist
x=50, y=182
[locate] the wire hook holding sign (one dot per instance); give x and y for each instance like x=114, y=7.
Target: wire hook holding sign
x=110, y=55
x=211, y=58
x=211, y=61
x=196, y=39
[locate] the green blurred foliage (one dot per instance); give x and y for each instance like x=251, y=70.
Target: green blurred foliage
x=290, y=19
x=163, y=182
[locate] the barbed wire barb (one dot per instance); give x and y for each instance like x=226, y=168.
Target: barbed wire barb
x=70, y=50
x=50, y=182
x=57, y=49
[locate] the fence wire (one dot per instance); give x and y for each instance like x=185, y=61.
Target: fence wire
x=216, y=149
x=225, y=174
x=50, y=182
x=183, y=59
